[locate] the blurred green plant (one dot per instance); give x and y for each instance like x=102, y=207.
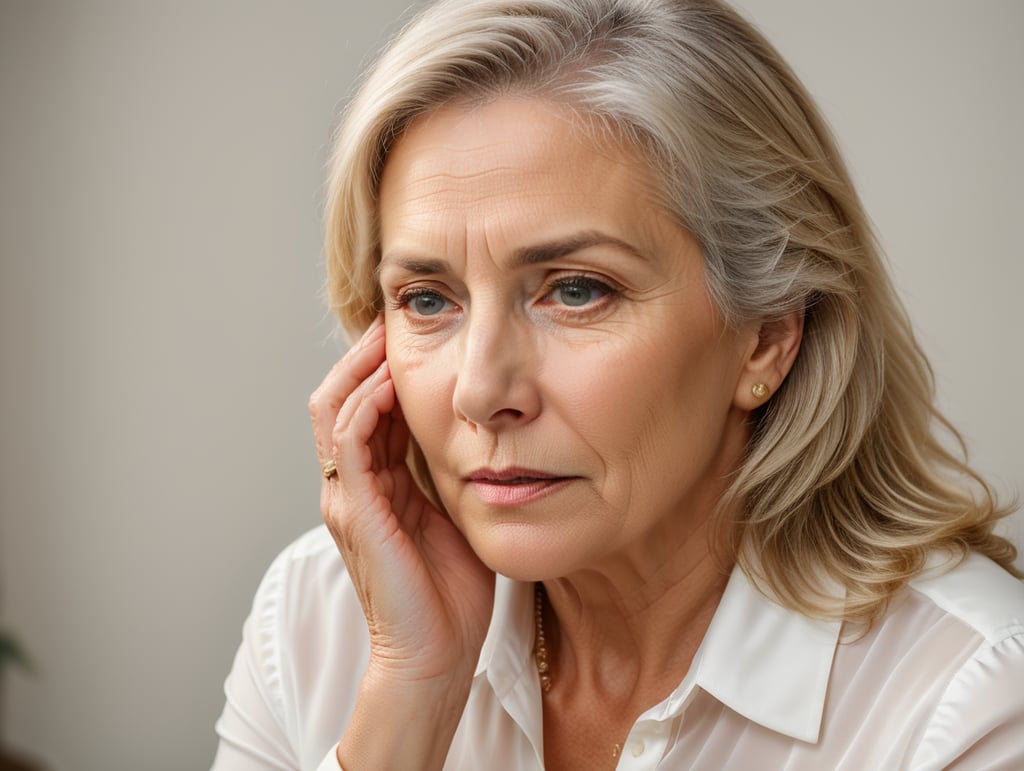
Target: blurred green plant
x=11, y=652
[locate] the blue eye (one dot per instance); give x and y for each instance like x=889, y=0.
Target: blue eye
x=579, y=291
x=425, y=303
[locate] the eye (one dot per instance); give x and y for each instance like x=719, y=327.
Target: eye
x=578, y=291
x=423, y=302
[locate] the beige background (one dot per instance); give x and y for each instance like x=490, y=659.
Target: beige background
x=161, y=328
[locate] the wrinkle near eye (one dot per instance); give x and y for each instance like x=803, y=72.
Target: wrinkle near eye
x=625, y=391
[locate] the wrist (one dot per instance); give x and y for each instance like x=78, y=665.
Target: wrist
x=392, y=674
x=403, y=719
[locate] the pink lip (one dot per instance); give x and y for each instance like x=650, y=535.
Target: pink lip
x=509, y=474
x=514, y=486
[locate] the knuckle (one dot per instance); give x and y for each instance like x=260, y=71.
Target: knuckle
x=316, y=405
x=339, y=433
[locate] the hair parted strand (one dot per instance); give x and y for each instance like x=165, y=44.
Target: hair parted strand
x=845, y=473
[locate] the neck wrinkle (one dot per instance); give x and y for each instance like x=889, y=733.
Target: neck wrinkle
x=630, y=643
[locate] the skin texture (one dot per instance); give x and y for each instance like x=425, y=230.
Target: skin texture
x=630, y=394
x=555, y=353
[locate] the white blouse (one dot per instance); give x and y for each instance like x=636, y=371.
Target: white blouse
x=937, y=683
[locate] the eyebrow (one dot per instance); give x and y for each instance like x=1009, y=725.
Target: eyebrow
x=553, y=250
x=528, y=255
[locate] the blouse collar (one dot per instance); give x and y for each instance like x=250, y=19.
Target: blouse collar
x=766, y=662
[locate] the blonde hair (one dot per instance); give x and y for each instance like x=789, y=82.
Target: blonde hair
x=844, y=473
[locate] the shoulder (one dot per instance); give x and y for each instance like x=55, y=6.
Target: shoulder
x=977, y=620
x=303, y=575
x=978, y=593
x=312, y=546
x=306, y=588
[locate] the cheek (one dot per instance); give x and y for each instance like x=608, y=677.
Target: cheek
x=643, y=404
x=604, y=396
x=423, y=384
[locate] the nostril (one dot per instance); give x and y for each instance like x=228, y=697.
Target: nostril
x=509, y=413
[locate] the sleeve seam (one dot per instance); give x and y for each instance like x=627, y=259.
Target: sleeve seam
x=985, y=645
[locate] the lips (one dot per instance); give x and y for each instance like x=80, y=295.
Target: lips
x=510, y=476
x=514, y=486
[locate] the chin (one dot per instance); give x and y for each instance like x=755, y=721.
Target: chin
x=523, y=552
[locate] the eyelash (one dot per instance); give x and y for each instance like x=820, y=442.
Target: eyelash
x=406, y=296
x=583, y=281
x=608, y=293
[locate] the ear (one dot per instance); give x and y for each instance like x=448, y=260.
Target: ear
x=768, y=361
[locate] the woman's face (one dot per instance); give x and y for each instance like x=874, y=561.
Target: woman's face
x=551, y=341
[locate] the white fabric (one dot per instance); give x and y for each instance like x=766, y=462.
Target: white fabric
x=937, y=683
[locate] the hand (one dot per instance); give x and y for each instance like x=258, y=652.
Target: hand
x=426, y=596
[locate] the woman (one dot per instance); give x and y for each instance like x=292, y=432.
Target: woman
x=672, y=496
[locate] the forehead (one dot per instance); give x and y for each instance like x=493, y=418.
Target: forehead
x=459, y=149
x=510, y=163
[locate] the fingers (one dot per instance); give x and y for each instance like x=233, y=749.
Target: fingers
x=359, y=436
x=355, y=501
x=354, y=367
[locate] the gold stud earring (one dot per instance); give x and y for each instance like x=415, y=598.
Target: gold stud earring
x=760, y=390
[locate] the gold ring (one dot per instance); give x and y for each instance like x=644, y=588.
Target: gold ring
x=329, y=469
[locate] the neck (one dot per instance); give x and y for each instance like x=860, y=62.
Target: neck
x=628, y=633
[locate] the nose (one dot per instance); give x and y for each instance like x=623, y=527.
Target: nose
x=496, y=383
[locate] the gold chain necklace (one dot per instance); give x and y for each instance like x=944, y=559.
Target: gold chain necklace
x=540, y=648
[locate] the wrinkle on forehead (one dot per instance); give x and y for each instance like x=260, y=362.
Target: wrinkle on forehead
x=512, y=178
x=447, y=190
x=469, y=148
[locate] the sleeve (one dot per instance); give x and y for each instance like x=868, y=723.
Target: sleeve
x=296, y=676
x=979, y=723
x=252, y=728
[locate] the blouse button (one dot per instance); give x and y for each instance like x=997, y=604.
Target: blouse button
x=638, y=748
